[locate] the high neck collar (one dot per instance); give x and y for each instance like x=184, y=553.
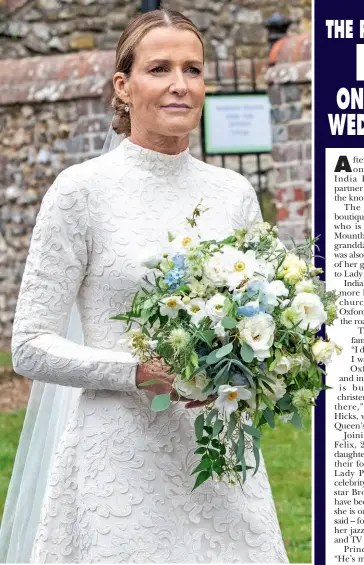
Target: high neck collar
x=149, y=160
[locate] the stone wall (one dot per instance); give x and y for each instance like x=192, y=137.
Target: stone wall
x=54, y=111
x=34, y=27
x=289, y=88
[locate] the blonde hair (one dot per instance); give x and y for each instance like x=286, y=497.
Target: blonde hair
x=131, y=36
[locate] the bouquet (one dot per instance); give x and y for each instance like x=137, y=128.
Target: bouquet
x=236, y=320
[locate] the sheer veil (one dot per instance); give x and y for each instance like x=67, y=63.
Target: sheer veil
x=47, y=412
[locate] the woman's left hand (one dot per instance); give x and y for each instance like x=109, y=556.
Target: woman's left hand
x=198, y=403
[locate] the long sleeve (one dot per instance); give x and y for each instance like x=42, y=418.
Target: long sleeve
x=248, y=212
x=54, y=270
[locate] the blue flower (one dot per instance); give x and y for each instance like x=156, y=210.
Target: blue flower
x=179, y=261
x=174, y=278
x=249, y=310
x=254, y=287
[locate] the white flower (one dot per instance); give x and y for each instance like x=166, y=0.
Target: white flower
x=272, y=291
x=324, y=350
x=279, y=390
x=293, y=268
x=283, y=365
x=193, y=387
x=171, y=305
x=302, y=362
x=198, y=288
x=310, y=310
x=196, y=309
x=152, y=261
x=263, y=269
x=228, y=396
x=214, y=308
x=219, y=330
x=305, y=286
x=258, y=332
x=214, y=270
x=238, y=266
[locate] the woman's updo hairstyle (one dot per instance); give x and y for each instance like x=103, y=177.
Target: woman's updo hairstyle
x=131, y=36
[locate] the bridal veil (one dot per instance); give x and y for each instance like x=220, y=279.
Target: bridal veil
x=48, y=411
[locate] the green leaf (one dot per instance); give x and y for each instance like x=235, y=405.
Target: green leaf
x=161, y=402
x=269, y=416
x=296, y=421
x=171, y=237
x=200, y=450
x=201, y=478
x=256, y=454
x=218, y=425
x=208, y=430
x=229, y=323
x=212, y=358
x=194, y=359
x=252, y=431
x=247, y=353
x=151, y=382
x=204, y=464
x=208, y=336
x=241, y=445
x=285, y=403
x=210, y=416
x=231, y=426
x=203, y=441
x=215, y=443
x=225, y=350
x=199, y=424
x=213, y=453
x=208, y=387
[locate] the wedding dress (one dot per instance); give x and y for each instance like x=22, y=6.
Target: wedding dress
x=119, y=487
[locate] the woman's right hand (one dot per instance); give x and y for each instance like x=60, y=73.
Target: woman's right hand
x=157, y=369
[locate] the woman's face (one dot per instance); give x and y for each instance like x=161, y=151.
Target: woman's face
x=165, y=90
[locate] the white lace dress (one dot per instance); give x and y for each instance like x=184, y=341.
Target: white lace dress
x=119, y=490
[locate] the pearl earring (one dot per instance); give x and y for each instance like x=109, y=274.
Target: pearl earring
x=126, y=108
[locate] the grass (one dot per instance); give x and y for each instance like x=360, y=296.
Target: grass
x=287, y=455
x=10, y=428
x=5, y=359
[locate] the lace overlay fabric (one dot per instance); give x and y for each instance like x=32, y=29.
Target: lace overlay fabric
x=119, y=489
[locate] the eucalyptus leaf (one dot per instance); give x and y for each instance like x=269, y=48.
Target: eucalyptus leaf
x=269, y=416
x=225, y=350
x=285, y=403
x=247, y=353
x=210, y=416
x=229, y=323
x=256, y=455
x=252, y=431
x=200, y=450
x=161, y=402
x=212, y=358
x=218, y=425
x=231, y=426
x=199, y=425
x=296, y=421
x=241, y=445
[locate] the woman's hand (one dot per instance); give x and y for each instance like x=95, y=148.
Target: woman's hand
x=197, y=403
x=158, y=369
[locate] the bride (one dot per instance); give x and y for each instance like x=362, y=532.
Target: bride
x=108, y=479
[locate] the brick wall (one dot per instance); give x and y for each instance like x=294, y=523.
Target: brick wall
x=289, y=88
x=54, y=111
x=48, y=27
